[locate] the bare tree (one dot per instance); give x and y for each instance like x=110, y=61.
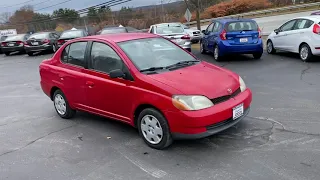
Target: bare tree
x=5, y=17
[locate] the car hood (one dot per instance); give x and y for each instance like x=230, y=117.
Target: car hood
x=200, y=79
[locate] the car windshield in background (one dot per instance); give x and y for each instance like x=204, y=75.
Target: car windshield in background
x=113, y=30
x=39, y=36
x=154, y=52
x=71, y=34
x=242, y=26
x=15, y=38
x=173, y=29
x=3, y=38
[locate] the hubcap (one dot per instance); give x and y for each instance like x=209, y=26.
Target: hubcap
x=54, y=48
x=304, y=52
x=60, y=104
x=151, y=129
x=216, y=53
x=269, y=47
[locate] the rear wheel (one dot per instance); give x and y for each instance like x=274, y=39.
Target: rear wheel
x=216, y=53
x=7, y=53
x=305, y=53
x=202, y=50
x=62, y=106
x=257, y=55
x=30, y=53
x=270, y=47
x=154, y=129
x=54, y=48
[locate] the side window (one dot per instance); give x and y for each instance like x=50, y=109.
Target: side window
x=152, y=30
x=209, y=28
x=217, y=27
x=76, y=53
x=104, y=58
x=303, y=24
x=288, y=26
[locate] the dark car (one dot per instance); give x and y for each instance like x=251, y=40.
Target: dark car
x=2, y=38
x=114, y=30
x=14, y=43
x=71, y=34
x=42, y=41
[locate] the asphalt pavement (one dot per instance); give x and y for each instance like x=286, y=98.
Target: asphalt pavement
x=279, y=139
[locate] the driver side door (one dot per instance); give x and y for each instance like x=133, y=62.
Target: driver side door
x=280, y=39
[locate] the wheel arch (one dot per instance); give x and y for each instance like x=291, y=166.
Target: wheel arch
x=140, y=108
x=53, y=89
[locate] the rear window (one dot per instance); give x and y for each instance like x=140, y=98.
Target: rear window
x=169, y=29
x=15, y=38
x=113, y=31
x=71, y=34
x=39, y=36
x=242, y=26
x=3, y=38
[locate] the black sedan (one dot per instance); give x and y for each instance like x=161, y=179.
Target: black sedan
x=14, y=43
x=71, y=34
x=2, y=38
x=42, y=41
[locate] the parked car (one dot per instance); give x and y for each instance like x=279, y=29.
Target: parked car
x=42, y=41
x=113, y=30
x=146, y=81
x=195, y=35
x=173, y=31
x=232, y=36
x=298, y=35
x=2, y=38
x=71, y=34
x=316, y=13
x=14, y=43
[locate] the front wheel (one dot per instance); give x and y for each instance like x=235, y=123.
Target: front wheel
x=305, y=53
x=270, y=47
x=154, y=129
x=62, y=106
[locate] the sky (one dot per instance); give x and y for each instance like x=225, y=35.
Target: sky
x=12, y=5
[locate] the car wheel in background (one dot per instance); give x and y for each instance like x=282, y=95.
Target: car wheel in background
x=154, y=129
x=216, y=54
x=270, y=47
x=202, y=50
x=62, y=106
x=195, y=41
x=54, y=48
x=305, y=53
x=30, y=53
x=7, y=53
x=257, y=55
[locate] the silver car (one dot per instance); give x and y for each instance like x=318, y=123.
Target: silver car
x=173, y=31
x=195, y=34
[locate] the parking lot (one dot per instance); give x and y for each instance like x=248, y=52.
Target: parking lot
x=279, y=139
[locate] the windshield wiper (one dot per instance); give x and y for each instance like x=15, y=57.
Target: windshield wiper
x=182, y=63
x=152, y=69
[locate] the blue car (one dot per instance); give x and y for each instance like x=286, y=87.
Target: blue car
x=232, y=36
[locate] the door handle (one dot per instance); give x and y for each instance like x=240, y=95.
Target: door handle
x=90, y=84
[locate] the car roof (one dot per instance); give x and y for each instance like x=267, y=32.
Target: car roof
x=121, y=37
x=312, y=17
x=226, y=20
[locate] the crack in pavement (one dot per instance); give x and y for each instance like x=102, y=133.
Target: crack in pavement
x=31, y=142
x=303, y=72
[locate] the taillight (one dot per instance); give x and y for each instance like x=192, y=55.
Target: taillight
x=316, y=29
x=3, y=44
x=223, y=35
x=60, y=41
x=20, y=43
x=186, y=36
x=46, y=41
x=259, y=30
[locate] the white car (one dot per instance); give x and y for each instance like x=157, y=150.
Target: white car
x=299, y=35
x=194, y=34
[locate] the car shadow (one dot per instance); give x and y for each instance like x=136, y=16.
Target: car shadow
x=315, y=59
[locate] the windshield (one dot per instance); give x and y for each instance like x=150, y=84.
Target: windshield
x=39, y=36
x=71, y=34
x=154, y=52
x=113, y=31
x=164, y=29
x=15, y=38
x=242, y=26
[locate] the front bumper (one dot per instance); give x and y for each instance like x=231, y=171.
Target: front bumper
x=206, y=122
x=12, y=49
x=38, y=48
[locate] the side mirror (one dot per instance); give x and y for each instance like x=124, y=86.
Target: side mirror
x=277, y=31
x=117, y=73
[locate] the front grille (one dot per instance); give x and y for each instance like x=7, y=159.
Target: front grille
x=225, y=122
x=225, y=98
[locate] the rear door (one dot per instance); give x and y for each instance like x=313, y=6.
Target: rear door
x=242, y=32
x=214, y=34
x=206, y=36
x=299, y=32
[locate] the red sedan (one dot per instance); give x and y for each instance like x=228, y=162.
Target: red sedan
x=146, y=81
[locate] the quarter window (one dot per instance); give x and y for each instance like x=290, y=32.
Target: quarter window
x=75, y=54
x=104, y=58
x=216, y=27
x=303, y=24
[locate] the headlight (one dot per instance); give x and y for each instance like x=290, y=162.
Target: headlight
x=191, y=103
x=243, y=86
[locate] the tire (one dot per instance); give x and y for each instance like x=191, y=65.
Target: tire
x=195, y=41
x=257, y=55
x=151, y=122
x=54, y=48
x=62, y=106
x=216, y=55
x=270, y=47
x=30, y=53
x=305, y=53
x=202, y=50
x=7, y=53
